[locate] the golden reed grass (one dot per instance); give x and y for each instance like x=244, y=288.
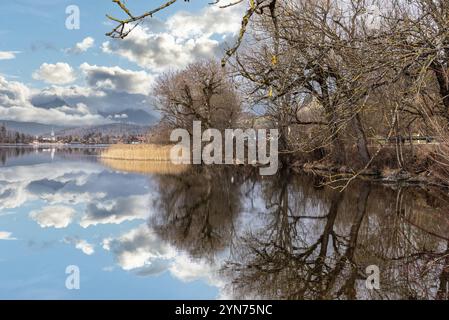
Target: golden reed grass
x=145, y=158
x=147, y=152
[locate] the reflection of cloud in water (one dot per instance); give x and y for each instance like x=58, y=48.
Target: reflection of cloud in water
x=53, y=216
x=105, y=197
x=139, y=248
x=14, y=181
x=142, y=251
x=116, y=211
x=71, y=193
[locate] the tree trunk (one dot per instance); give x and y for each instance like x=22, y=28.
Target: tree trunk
x=442, y=75
x=362, y=143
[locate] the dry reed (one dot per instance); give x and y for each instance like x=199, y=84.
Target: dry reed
x=143, y=158
x=146, y=167
x=147, y=152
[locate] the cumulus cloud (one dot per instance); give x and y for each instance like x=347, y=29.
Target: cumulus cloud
x=16, y=105
x=181, y=39
x=4, y=235
x=8, y=55
x=80, y=244
x=13, y=93
x=70, y=92
x=79, y=109
x=82, y=46
x=107, y=90
x=58, y=73
x=84, y=246
x=53, y=216
x=117, y=79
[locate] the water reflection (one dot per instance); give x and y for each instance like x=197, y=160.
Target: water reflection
x=287, y=238
x=225, y=232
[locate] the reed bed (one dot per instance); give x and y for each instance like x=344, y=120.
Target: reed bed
x=145, y=167
x=143, y=158
x=147, y=152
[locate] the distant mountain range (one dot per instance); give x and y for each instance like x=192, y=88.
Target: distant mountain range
x=31, y=128
x=114, y=129
x=133, y=116
x=127, y=121
x=54, y=103
x=38, y=129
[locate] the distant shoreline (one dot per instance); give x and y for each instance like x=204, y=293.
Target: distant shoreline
x=52, y=145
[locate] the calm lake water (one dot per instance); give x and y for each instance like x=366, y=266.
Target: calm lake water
x=210, y=233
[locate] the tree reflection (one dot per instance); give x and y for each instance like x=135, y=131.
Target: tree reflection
x=285, y=237
x=320, y=250
x=196, y=211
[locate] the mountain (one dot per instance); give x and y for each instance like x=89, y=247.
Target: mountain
x=31, y=128
x=54, y=103
x=132, y=116
x=114, y=129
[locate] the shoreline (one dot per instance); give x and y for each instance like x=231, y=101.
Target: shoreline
x=397, y=176
x=152, y=153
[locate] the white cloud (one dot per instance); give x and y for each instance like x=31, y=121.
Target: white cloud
x=15, y=104
x=80, y=109
x=53, y=216
x=120, y=116
x=58, y=73
x=85, y=247
x=27, y=183
x=50, y=116
x=188, y=270
x=8, y=55
x=73, y=91
x=142, y=250
x=6, y=236
x=182, y=39
x=139, y=248
x=82, y=46
x=82, y=245
x=117, y=79
x=211, y=20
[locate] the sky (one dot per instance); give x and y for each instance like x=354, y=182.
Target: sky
x=41, y=60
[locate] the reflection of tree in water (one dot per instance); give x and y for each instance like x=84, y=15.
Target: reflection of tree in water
x=308, y=242
x=317, y=243
x=6, y=153
x=69, y=153
x=196, y=211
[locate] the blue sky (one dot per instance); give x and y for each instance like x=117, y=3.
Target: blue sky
x=39, y=59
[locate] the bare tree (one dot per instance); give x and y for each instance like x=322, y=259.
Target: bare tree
x=255, y=7
x=201, y=92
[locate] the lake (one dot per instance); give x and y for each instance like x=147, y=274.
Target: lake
x=144, y=231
